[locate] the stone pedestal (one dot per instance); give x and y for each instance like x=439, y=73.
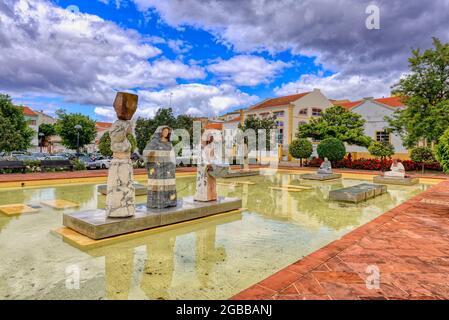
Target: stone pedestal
x=96, y=224
x=321, y=177
x=406, y=181
x=120, y=195
x=358, y=193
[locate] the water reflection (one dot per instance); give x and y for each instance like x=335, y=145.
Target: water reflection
x=212, y=258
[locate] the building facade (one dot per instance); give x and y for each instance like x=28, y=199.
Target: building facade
x=374, y=112
x=289, y=112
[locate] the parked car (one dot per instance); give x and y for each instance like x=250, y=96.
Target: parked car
x=24, y=157
x=39, y=155
x=104, y=162
x=89, y=162
x=18, y=153
x=65, y=155
x=55, y=157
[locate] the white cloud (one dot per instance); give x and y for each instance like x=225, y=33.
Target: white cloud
x=333, y=31
x=179, y=46
x=247, y=70
x=82, y=58
x=195, y=99
x=338, y=86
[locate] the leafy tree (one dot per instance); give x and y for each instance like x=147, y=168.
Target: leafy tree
x=65, y=128
x=164, y=116
x=300, y=149
x=104, y=146
x=422, y=155
x=442, y=151
x=425, y=91
x=332, y=149
x=336, y=122
x=47, y=130
x=381, y=150
x=14, y=131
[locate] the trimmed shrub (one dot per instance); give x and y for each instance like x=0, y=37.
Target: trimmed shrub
x=331, y=148
x=422, y=155
x=300, y=149
x=78, y=165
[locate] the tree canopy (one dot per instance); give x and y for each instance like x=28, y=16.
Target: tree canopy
x=425, y=91
x=47, y=130
x=65, y=128
x=331, y=148
x=164, y=116
x=300, y=149
x=14, y=131
x=336, y=122
x=442, y=151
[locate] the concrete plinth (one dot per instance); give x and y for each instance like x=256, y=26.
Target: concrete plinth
x=358, y=193
x=140, y=189
x=407, y=181
x=321, y=177
x=96, y=225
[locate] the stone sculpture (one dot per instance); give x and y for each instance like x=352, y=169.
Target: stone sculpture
x=397, y=170
x=325, y=167
x=120, y=197
x=206, y=186
x=161, y=165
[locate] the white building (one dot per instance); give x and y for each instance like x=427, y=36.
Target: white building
x=289, y=112
x=374, y=111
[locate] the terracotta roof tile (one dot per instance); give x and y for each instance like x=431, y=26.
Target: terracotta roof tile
x=103, y=124
x=217, y=126
x=391, y=101
x=280, y=101
x=28, y=111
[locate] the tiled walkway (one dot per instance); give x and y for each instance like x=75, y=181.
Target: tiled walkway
x=408, y=244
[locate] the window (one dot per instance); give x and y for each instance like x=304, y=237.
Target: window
x=31, y=122
x=280, y=136
x=383, y=136
x=316, y=112
x=278, y=113
x=303, y=112
x=264, y=115
x=280, y=123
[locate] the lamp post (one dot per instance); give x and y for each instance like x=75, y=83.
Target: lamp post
x=41, y=139
x=78, y=128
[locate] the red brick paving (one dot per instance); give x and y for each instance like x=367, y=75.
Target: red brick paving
x=409, y=244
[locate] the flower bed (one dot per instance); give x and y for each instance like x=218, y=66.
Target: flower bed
x=374, y=164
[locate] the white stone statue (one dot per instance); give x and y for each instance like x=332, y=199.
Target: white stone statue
x=325, y=167
x=397, y=170
x=120, y=197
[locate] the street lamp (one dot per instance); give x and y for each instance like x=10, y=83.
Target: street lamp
x=78, y=128
x=41, y=138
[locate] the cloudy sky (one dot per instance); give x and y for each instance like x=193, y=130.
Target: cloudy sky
x=205, y=57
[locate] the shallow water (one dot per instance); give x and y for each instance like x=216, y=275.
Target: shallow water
x=212, y=259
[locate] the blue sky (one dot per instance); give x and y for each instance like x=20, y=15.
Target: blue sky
x=210, y=57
